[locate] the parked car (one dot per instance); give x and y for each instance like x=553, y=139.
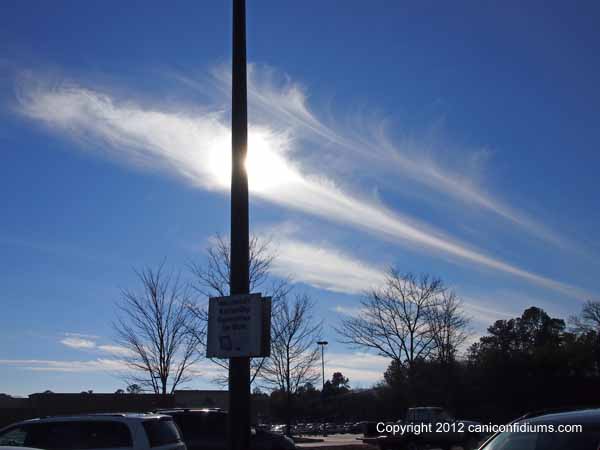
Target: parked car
x=278, y=428
x=7, y=447
x=587, y=439
x=453, y=433
x=95, y=431
x=358, y=428
x=206, y=429
x=313, y=428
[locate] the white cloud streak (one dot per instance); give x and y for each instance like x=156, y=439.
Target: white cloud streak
x=112, y=366
x=352, y=311
x=325, y=267
x=484, y=315
x=277, y=100
x=361, y=368
x=195, y=147
x=115, y=350
x=78, y=343
x=78, y=366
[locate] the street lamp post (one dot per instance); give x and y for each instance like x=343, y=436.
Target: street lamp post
x=323, y=344
x=239, y=367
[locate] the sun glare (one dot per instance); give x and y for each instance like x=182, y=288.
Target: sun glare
x=267, y=169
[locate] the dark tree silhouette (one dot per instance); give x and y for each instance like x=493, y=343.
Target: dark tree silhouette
x=395, y=318
x=156, y=326
x=448, y=324
x=588, y=320
x=294, y=354
x=212, y=280
x=338, y=384
x=134, y=389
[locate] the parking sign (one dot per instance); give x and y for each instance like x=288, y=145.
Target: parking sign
x=239, y=326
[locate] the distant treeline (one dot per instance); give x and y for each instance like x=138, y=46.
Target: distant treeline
x=523, y=364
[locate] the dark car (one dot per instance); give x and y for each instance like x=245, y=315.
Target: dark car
x=436, y=429
x=206, y=429
x=116, y=431
x=587, y=438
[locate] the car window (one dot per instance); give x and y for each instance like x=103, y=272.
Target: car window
x=161, y=431
x=545, y=441
x=79, y=435
x=513, y=441
x=14, y=437
x=108, y=434
x=571, y=441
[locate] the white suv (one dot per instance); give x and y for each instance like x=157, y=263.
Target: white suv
x=95, y=431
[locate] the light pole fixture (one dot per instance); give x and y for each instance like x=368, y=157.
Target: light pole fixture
x=323, y=344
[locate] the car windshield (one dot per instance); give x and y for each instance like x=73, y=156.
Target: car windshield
x=545, y=441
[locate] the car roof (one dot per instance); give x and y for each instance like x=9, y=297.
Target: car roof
x=96, y=416
x=193, y=410
x=589, y=416
x=426, y=408
x=10, y=447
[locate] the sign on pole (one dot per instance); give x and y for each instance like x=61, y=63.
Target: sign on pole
x=239, y=326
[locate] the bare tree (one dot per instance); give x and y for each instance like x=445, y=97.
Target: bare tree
x=294, y=355
x=134, y=389
x=394, y=319
x=154, y=326
x=588, y=320
x=448, y=325
x=212, y=280
x=449, y=328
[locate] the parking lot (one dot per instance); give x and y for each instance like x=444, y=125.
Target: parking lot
x=342, y=441
x=335, y=440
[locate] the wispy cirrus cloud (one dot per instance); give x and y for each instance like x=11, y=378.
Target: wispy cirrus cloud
x=77, y=342
x=484, y=316
x=352, y=311
x=47, y=365
x=325, y=267
x=204, y=370
x=279, y=101
x=114, y=350
x=195, y=147
x=89, y=342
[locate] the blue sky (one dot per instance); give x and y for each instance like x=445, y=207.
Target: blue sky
x=454, y=139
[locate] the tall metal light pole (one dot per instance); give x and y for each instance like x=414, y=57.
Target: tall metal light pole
x=323, y=344
x=239, y=368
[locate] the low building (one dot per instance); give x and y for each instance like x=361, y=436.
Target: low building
x=189, y=398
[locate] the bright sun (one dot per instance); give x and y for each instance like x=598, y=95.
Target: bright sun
x=266, y=167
